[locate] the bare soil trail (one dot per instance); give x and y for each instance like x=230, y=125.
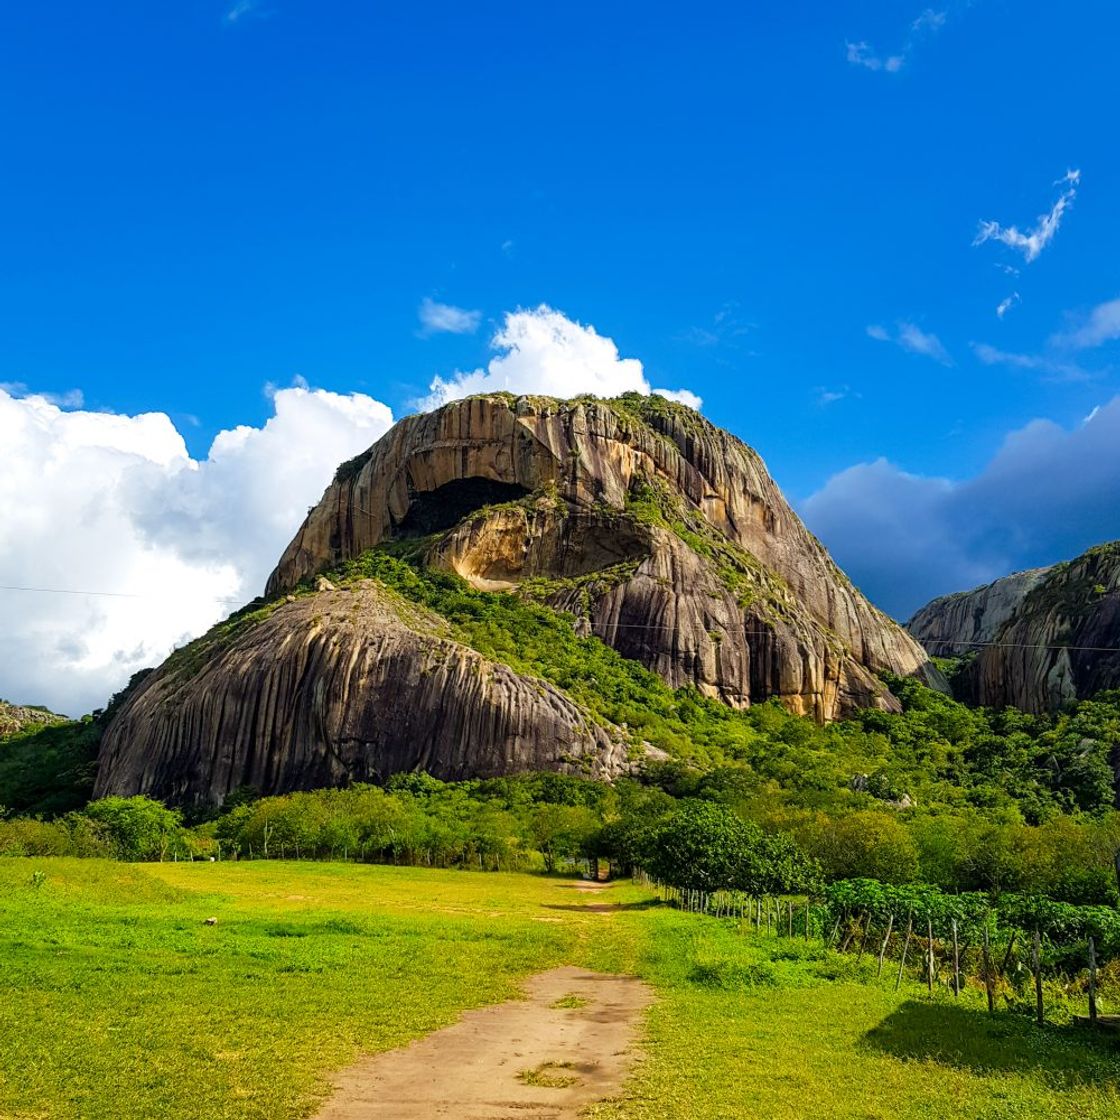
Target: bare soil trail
x=566, y=1045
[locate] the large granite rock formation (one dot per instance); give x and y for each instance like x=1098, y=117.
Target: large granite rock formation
x=664, y=535
x=1038, y=639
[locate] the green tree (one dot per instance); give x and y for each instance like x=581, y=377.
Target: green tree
x=138, y=827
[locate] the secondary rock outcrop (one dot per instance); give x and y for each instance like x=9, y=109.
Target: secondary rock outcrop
x=663, y=535
x=1038, y=639
x=335, y=687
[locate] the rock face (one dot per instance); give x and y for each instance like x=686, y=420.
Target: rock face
x=1051, y=635
x=725, y=586
x=335, y=687
x=662, y=534
x=956, y=624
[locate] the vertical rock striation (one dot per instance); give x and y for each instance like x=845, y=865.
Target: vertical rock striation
x=664, y=536
x=1040, y=638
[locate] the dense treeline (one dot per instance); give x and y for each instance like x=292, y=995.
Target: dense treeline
x=547, y=821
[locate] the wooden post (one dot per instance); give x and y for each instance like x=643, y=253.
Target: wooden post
x=1036, y=965
x=883, y=947
x=791, y=917
x=1007, y=955
x=989, y=979
x=929, y=956
x=905, y=946
x=956, y=962
x=863, y=936
x=1092, y=983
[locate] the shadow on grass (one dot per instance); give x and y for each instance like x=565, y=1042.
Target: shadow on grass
x=970, y=1039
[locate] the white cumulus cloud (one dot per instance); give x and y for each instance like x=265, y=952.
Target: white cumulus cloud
x=542, y=351
x=1034, y=240
x=115, y=504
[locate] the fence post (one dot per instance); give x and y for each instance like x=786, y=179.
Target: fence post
x=883, y=947
x=863, y=935
x=989, y=985
x=905, y=946
x=1036, y=966
x=957, y=962
x=1092, y=983
x=929, y=960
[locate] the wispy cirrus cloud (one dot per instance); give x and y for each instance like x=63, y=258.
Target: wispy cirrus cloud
x=862, y=53
x=1034, y=240
x=911, y=338
x=1053, y=369
x=241, y=10
x=446, y=318
x=725, y=328
x=826, y=396
x=1005, y=305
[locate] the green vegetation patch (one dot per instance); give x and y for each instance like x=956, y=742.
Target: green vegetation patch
x=121, y=1003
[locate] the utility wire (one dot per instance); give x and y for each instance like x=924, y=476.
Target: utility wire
x=603, y=623
x=108, y=594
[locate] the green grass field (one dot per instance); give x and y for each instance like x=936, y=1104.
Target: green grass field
x=118, y=1002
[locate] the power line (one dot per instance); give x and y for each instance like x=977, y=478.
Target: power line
x=600, y=623
x=107, y=594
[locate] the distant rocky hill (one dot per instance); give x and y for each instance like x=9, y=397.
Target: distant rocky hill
x=664, y=536
x=15, y=718
x=1036, y=639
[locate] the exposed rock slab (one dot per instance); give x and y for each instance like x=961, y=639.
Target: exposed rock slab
x=662, y=534
x=792, y=626
x=337, y=687
x=955, y=624
x=1050, y=635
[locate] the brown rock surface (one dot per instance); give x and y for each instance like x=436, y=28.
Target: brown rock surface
x=1044, y=637
x=745, y=602
x=664, y=535
x=335, y=687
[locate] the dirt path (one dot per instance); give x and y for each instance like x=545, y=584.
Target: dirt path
x=546, y=1057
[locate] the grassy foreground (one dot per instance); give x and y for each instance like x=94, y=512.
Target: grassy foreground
x=120, y=1002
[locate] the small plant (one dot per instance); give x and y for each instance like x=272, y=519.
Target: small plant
x=569, y=1001
x=546, y=1077
x=38, y=878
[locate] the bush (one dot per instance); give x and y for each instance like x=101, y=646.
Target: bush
x=137, y=827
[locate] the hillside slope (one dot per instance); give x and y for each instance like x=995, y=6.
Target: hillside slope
x=662, y=535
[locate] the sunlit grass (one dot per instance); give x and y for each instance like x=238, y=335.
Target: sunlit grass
x=119, y=1001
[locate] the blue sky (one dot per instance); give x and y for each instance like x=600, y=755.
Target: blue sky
x=201, y=199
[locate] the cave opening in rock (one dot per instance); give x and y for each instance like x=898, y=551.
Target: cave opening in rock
x=435, y=511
